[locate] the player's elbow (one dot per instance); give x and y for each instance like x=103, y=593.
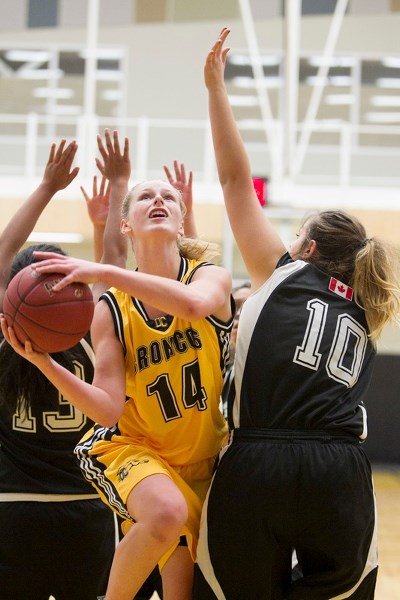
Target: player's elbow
x=108, y=411
x=197, y=307
x=108, y=418
x=108, y=423
x=238, y=174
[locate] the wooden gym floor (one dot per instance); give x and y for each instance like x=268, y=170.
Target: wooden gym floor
x=387, y=487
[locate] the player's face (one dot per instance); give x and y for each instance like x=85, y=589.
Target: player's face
x=155, y=206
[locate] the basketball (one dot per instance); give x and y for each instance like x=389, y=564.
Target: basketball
x=52, y=321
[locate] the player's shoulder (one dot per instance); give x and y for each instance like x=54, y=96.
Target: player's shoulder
x=205, y=269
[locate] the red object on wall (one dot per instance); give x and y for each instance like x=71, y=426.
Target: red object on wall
x=260, y=186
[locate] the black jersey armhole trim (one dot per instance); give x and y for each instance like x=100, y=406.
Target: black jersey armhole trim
x=116, y=316
x=225, y=325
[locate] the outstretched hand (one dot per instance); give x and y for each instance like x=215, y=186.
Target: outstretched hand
x=215, y=62
x=115, y=164
x=184, y=185
x=181, y=183
x=58, y=174
x=98, y=203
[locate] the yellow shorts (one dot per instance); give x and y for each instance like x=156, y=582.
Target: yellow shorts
x=115, y=468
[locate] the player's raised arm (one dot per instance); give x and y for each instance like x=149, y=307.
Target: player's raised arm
x=104, y=206
x=246, y=216
x=98, y=205
x=116, y=167
x=58, y=174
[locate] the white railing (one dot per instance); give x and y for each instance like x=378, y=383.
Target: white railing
x=338, y=154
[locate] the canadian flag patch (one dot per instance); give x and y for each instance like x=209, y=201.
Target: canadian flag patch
x=341, y=289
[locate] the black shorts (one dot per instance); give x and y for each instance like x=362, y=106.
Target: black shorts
x=311, y=493
x=64, y=549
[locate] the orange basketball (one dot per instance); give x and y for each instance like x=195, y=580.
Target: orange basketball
x=52, y=321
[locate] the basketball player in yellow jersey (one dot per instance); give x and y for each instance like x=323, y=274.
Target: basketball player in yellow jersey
x=160, y=339
x=173, y=373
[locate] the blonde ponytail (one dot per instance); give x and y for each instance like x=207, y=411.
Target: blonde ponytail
x=376, y=284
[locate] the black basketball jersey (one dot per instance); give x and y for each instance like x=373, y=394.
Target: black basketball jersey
x=36, y=449
x=303, y=358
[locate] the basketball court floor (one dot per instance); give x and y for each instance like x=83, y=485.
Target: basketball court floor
x=387, y=486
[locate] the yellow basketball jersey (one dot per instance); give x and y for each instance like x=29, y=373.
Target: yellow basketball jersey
x=174, y=376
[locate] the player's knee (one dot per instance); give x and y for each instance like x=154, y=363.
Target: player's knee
x=169, y=519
